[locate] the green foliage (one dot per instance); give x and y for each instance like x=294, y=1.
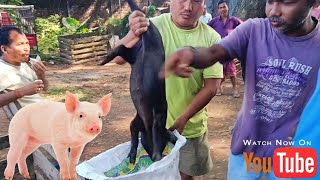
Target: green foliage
x=122, y=25
x=151, y=11
x=114, y=21
x=100, y=24
x=12, y=2
x=59, y=93
x=12, y=13
x=75, y=26
x=48, y=30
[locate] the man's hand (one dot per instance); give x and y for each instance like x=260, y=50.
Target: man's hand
x=32, y=88
x=179, y=63
x=138, y=22
x=179, y=124
x=39, y=69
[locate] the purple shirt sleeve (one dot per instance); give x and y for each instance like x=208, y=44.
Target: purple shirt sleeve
x=237, y=22
x=236, y=43
x=211, y=22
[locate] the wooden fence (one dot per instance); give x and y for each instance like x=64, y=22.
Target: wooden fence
x=81, y=48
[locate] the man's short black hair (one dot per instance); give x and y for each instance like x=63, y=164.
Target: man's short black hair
x=4, y=35
x=222, y=1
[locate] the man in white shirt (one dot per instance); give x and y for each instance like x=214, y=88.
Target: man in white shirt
x=205, y=17
x=20, y=84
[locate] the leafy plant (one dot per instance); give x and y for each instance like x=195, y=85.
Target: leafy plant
x=13, y=13
x=100, y=24
x=151, y=11
x=12, y=2
x=114, y=21
x=48, y=31
x=121, y=26
x=75, y=26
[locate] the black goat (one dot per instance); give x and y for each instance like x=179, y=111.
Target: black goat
x=147, y=92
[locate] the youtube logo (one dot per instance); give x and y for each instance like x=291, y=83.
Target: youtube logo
x=295, y=162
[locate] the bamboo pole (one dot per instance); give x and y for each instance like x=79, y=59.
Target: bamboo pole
x=82, y=56
x=79, y=46
x=88, y=50
x=3, y=6
x=88, y=55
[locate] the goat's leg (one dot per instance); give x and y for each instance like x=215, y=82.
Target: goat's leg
x=159, y=132
x=135, y=127
x=170, y=136
x=146, y=112
x=146, y=145
x=128, y=54
x=112, y=54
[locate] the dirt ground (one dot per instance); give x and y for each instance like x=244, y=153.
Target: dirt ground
x=100, y=80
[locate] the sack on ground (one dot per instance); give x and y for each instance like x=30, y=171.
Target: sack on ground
x=114, y=164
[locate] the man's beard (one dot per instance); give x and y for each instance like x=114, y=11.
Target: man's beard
x=287, y=29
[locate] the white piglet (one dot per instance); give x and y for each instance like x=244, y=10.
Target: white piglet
x=63, y=125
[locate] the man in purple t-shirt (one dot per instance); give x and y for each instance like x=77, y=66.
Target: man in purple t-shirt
x=281, y=58
x=224, y=25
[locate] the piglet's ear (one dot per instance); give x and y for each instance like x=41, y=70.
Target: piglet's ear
x=71, y=103
x=105, y=104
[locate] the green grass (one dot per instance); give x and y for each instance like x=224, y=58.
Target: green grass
x=59, y=93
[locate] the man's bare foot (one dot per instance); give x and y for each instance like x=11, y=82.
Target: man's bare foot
x=219, y=91
x=236, y=94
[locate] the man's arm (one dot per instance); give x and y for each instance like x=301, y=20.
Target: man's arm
x=235, y=45
x=179, y=62
x=210, y=23
x=238, y=22
x=199, y=102
x=129, y=41
x=209, y=56
x=8, y=97
x=12, y=96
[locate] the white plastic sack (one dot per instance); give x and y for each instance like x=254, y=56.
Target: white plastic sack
x=165, y=169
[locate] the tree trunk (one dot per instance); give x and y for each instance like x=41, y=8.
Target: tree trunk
x=246, y=9
x=243, y=9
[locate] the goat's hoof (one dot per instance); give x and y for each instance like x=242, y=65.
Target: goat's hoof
x=132, y=157
x=156, y=157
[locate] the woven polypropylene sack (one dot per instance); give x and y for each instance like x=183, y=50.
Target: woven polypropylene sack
x=167, y=168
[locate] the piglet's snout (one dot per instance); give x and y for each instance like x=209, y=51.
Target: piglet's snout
x=94, y=129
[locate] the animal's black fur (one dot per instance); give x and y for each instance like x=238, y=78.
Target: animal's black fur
x=147, y=92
